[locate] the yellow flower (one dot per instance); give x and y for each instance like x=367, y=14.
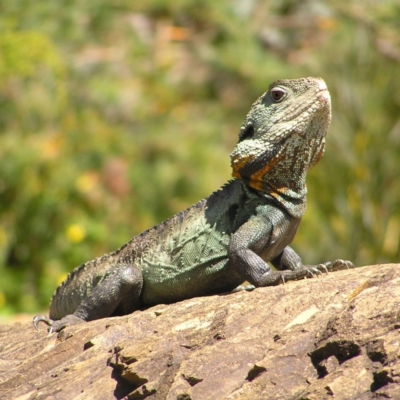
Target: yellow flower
x=75, y=233
x=87, y=182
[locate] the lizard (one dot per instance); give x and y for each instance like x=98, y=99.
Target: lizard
x=231, y=236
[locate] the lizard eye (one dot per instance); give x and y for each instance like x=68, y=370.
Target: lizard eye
x=247, y=133
x=277, y=94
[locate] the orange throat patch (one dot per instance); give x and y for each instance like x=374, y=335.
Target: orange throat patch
x=257, y=180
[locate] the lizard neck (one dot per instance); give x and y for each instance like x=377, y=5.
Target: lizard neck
x=281, y=177
x=292, y=199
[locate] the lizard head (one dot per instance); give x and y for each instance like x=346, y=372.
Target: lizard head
x=282, y=137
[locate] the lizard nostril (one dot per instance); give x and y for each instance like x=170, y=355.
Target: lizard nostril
x=247, y=133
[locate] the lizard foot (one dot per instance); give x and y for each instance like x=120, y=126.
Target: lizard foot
x=310, y=270
x=306, y=271
x=337, y=265
x=278, y=277
x=57, y=326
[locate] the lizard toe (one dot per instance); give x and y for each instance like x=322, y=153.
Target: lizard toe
x=42, y=318
x=342, y=264
x=68, y=320
x=323, y=267
x=314, y=271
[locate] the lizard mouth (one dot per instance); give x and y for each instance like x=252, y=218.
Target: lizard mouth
x=324, y=97
x=322, y=92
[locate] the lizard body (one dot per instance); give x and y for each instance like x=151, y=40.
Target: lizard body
x=227, y=238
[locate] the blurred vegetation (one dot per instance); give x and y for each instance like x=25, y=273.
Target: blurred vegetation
x=114, y=115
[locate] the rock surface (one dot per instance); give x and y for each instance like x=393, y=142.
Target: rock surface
x=335, y=336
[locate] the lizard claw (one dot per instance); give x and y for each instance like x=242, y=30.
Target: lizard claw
x=347, y=263
x=310, y=272
x=315, y=270
x=324, y=267
x=42, y=318
x=318, y=271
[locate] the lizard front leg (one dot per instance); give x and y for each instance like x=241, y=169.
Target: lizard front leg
x=260, y=235
x=250, y=240
x=117, y=293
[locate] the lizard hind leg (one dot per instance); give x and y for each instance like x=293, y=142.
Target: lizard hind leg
x=117, y=293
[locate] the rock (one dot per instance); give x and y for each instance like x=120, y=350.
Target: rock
x=335, y=336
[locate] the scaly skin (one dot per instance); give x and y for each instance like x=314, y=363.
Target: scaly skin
x=226, y=238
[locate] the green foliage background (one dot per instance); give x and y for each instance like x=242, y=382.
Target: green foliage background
x=114, y=115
